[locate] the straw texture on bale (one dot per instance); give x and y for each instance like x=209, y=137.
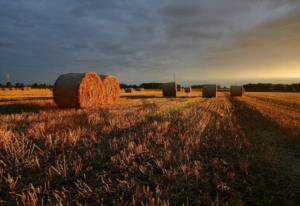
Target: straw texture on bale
x=79, y=90
x=128, y=90
x=112, y=88
x=188, y=89
x=236, y=91
x=170, y=89
x=209, y=90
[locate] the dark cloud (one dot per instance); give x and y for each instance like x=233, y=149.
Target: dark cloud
x=7, y=45
x=135, y=39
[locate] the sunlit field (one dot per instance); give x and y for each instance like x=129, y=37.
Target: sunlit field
x=151, y=150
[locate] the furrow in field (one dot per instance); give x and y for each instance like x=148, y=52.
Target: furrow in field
x=282, y=116
x=281, y=103
x=66, y=147
x=278, y=152
x=291, y=100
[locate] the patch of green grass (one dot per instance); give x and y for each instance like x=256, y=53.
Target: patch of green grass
x=156, y=116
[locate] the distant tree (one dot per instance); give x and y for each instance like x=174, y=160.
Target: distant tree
x=260, y=87
x=123, y=86
x=40, y=86
x=8, y=84
x=34, y=85
x=197, y=86
x=151, y=85
x=19, y=85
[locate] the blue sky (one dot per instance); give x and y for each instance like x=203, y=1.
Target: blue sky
x=146, y=41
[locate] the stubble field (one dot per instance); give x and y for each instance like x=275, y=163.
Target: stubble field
x=150, y=150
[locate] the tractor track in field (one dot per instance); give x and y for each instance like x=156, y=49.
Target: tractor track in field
x=282, y=116
x=279, y=103
x=278, y=147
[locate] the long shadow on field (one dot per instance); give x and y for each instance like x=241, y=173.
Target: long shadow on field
x=281, y=174
x=25, y=98
x=20, y=108
x=158, y=97
x=141, y=97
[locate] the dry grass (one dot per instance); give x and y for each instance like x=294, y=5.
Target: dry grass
x=19, y=94
x=282, y=109
x=145, y=150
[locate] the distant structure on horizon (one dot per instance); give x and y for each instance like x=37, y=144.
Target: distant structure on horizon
x=7, y=78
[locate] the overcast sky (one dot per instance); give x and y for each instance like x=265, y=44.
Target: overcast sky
x=150, y=40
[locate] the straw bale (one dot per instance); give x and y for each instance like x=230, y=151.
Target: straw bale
x=209, y=90
x=170, y=89
x=79, y=90
x=236, y=91
x=112, y=88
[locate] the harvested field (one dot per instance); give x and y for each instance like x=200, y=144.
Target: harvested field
x=283, y=112
x=147, y=149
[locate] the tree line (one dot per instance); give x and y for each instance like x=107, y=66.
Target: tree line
x=259, y=87
x=19, y=85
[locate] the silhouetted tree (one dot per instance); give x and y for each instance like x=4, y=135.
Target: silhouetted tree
x=8, y=84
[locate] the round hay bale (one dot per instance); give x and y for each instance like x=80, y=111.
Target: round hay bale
x=112, y=88
x=129, y=90
x=209, y=90
x=236, y=91
x=170, y=89
x=188, y=89
x=79, y=90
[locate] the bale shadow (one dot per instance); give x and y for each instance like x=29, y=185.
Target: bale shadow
x=141, y=97
x=25, y=99
x=20, y=108
x=187, y=97
x=282, y=150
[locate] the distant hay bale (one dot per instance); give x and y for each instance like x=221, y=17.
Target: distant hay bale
x=170, y=89
x=236, y=91
x=79, y=90
x=129, y=90
x=112, y=88
x=139, y=89
x=187, y=89
x=209, y=90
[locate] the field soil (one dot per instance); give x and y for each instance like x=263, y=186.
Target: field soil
x=150, y=150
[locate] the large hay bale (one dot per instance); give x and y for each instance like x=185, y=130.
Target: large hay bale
x=209, y=90
x=129, y=90
x=170, y=89
x=112, y=88
x=188, y=89
x=79, y=90
x=236, y=91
